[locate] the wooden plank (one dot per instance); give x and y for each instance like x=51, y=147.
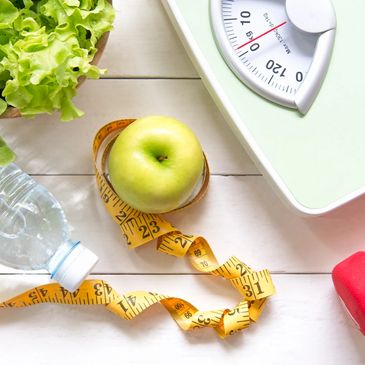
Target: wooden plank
x=239, y=216
x=304, y=321
x=46, y=146
x=144, y=43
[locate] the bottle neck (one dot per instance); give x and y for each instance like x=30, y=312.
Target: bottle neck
x=71, y=264
x=60, y=256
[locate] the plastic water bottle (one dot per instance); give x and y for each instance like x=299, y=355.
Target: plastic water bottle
x=34, y=231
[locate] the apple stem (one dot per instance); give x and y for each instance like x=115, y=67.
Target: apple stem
x=162, y=158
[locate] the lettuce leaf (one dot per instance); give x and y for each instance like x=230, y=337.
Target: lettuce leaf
x=6, y=154
x=45, y=47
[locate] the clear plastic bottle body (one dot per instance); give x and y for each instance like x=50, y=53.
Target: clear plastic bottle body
x=34, y=231
x=32, y=222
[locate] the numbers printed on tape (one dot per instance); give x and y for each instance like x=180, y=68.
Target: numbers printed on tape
x=130, y=305
x=139, y=228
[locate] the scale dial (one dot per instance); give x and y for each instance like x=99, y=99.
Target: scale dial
x=280, y=49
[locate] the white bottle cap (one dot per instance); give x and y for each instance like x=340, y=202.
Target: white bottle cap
x=75, y=267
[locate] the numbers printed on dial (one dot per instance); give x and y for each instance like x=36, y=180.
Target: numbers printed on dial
x=261, y=26
x=276, y=68
x=269, y=53
x=245, y=15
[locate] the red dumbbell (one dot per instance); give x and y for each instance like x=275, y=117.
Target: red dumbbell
x=349, y=279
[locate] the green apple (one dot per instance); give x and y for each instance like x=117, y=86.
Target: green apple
x=156, y=164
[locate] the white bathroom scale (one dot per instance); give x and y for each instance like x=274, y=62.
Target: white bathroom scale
x=289, y=76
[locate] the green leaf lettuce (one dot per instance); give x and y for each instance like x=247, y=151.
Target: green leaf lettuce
x=45, y=47
x=6, y=154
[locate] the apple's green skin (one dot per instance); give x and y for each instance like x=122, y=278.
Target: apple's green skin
x=155, y=164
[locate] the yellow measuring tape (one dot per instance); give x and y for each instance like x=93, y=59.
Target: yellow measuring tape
x=128, y=306
x=139, y=228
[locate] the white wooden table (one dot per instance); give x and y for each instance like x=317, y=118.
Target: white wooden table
x=149, y=73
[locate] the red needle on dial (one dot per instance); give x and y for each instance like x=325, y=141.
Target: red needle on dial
x=269, y=31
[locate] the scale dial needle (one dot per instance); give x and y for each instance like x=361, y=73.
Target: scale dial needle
x=261, y=35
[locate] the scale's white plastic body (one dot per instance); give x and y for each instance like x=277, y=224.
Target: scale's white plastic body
x=315, y=161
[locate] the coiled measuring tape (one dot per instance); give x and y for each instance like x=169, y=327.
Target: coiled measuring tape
x=139, y=228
